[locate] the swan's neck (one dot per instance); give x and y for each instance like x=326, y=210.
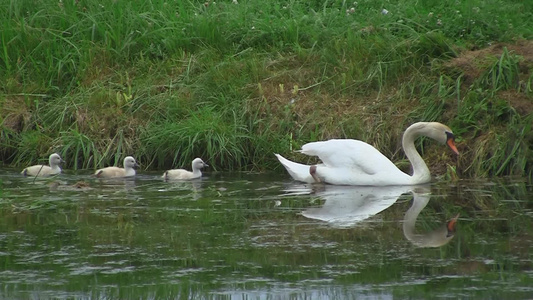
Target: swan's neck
x=421, y=172
x=435, y=238
x=409, y=221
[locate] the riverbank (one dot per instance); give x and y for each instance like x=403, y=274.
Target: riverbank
x=234, y=82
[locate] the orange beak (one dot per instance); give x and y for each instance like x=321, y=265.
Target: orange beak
x=451, y=144
x=451, y=226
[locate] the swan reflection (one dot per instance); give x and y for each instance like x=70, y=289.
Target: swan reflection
x=346, y=206
x=438, y=237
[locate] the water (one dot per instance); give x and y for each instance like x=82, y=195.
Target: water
x=262, y=236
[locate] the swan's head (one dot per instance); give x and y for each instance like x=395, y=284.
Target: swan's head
x=129, y=162
x=55, y=159
x=438, y=132
x=198, y=163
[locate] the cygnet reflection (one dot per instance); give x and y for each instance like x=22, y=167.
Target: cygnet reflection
x=193, y=186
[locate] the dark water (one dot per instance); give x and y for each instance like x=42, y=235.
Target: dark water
x=262, y=236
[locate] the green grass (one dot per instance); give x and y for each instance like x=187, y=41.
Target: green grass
x=503, y=73
x=167, y=81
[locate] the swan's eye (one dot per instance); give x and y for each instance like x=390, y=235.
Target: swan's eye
x=450, y=141
x=449, y=136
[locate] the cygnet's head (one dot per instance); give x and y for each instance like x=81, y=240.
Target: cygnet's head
x=129, y=162
x=198, y=163
x=55, y=159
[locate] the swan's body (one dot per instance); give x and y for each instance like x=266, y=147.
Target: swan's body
x=438, y=237
x=353, y=162
x=116, y=172
x=182, y=174
x=43, y=170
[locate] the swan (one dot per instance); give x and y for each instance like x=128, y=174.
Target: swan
x=114, y=172
x=42, y=170
x=182, y=174
x=353, y=162
x=436, y=238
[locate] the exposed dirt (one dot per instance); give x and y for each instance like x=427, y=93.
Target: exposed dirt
x=522, y=103
x=473, y=64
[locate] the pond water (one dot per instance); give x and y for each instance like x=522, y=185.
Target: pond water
x=262, y=236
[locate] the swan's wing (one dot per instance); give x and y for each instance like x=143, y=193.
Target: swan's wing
x=346, y=153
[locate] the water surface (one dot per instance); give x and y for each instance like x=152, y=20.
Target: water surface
x=262, y=236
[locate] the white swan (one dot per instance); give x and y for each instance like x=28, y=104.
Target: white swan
x=182, y=174
x=435, y=238
x=114, y=172
x=353, y=162
x=42, y=170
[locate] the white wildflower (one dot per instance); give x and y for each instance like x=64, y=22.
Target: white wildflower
x=385, y=12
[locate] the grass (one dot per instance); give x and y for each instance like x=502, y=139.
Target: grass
x=503, y=73
x=168, y=81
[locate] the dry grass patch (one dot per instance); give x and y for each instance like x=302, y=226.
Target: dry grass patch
x=473, y=63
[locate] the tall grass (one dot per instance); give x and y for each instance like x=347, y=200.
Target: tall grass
x=167, y=81
x=203, y=134
x=503, y=74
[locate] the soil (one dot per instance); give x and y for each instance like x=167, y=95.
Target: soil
x=472, y=64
